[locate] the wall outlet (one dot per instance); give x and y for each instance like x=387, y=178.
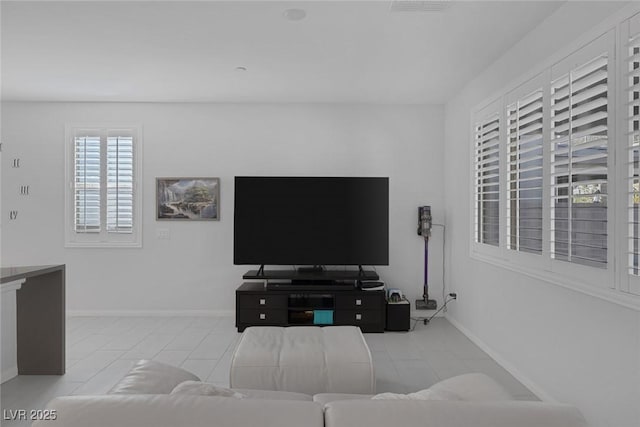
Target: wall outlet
x=163, y=234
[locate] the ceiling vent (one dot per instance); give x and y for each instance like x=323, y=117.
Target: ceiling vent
x=419, y=6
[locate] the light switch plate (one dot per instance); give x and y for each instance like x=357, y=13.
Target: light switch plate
x=163, y=234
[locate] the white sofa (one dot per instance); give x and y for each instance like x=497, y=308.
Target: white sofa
x=141, y=399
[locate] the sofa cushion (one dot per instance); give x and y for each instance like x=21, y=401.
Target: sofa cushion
x=476, y=387
x=151, y=377
x=426, y=394
x=273, y=395
x=198, y=388
x=324, y=398
x=450, y=413
x=180, y=411
x=207, y=389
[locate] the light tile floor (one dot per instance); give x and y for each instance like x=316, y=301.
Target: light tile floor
x=100, y=350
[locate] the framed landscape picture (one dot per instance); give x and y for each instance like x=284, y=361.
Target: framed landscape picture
x=188, y=199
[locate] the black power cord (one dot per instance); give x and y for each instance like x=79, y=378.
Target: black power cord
x=426, y=320
x=444, y=271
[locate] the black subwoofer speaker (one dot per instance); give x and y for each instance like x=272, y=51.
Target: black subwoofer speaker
x=398, y=316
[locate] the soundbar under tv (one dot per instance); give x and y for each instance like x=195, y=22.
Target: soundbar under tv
x=311, y=221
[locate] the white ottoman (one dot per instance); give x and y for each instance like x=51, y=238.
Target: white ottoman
x=303, y=359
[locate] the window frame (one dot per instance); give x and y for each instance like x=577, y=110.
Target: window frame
x=593, y=276
x=103, y=238
x=629, y=283
x=494, y=107
x=528, y=259
x=612, y=284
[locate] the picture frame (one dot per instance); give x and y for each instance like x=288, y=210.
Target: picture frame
x=188, y=199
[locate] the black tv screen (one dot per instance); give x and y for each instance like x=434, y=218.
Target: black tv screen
x=311, y=221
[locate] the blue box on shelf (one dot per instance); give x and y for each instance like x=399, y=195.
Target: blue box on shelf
x=323, y=317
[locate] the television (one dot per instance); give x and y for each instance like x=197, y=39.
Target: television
x=311, y=221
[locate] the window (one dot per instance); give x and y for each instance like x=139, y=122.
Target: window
x=487, y=176
x=87, y=184
x=524, y=173
x=102, y=196
x=545, y=204
x=632, y=98
x=579, y=163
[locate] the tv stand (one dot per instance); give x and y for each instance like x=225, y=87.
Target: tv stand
x=293, y=285
x=321, y=298
x=321, y=275
x=314, y=269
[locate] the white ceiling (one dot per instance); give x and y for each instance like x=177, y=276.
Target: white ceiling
x=345, y=52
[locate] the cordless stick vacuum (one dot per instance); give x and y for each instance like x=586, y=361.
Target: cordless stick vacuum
x=424, y=230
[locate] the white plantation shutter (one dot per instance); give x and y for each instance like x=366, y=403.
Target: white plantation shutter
x=632, y=86
x=487, y=176
x=524, y=173
x=569, y=187
x=579, y=162
x=119, y=184
x=87, y=184
x=102, y=188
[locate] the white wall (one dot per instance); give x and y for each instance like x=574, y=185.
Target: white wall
x=194, y=269
x=566, y=345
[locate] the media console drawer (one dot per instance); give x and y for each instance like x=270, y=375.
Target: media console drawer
x=263, y=301
x=262, y=317
x=358, y=302
x=355, y=317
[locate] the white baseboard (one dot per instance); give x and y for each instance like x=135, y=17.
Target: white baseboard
x=509, y=367
x=8, y=373
x=149, y=313
x=425, y=313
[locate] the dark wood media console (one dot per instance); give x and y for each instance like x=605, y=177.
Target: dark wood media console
x=321, y=299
